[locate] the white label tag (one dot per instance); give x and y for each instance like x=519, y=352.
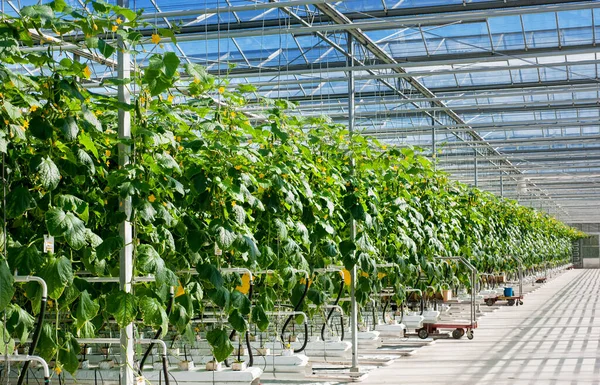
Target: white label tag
x=48, y=243
x=218, y=251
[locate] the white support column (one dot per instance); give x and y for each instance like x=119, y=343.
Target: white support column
x=125, y=230
x=354, y=307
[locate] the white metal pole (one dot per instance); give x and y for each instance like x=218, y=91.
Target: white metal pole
x=125, y=230
x=354, y=306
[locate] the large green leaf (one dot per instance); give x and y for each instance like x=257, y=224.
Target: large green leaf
x=58, y=273
x=19, y=322
x=109, y=247
x=90, y=120
x=171, y=62
x=69, y=128
x=241, y=302
x=150, y=262
x=225, y=238
x=237, y=321
x=6, y=285
x=86, y=309
x=42, y=12
x=47, y=345
x=67, y=225
x=220, y=297
x=7, y=344
x=153, y=313
x=69, y=202
x=220, y=343
x=105, y=49
x=67, y=354
x=48, y=173
x=18, y=201
x=211, y=274
x=122, y=306
x=259, y=317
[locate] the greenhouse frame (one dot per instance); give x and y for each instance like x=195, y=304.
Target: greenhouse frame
x=295, y=191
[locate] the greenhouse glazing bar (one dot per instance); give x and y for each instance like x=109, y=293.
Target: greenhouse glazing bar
x=233, y=8
x=395, y=23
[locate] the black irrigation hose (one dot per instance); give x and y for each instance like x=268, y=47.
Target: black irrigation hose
x=165, y=368
x=34, y=340
x=250, y=355
x=383, y=311
x=157, y=336
x=301, y=348
x=296, y=308
x=342, y=326
x=374, y=316
x=337, y=300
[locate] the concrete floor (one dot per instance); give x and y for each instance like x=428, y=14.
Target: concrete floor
x=554, y=338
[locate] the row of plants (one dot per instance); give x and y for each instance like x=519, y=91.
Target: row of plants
x=212, y=187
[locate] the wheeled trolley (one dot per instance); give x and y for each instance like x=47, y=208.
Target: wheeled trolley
x=460, y=329
x=511, y=300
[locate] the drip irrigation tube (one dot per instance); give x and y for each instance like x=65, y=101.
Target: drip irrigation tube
x=158, y=333
x=38, y=328
x=337, y=300
x=287, y=321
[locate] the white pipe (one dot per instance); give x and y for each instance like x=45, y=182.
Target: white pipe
x=336, y=307
x=115, y=279
x=239, y=270
x=40, y=360
x=306, y=273
x=113, y=341
x=288, y=313
x=329, y=269
x=32, y=278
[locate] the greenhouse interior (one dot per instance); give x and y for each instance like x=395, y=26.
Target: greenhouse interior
x=299, y=192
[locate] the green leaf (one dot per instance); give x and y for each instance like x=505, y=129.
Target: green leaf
x=259, y=317
x=220, y=297
x=7, y=344
x=87, y=142
x=19, y=322
x=58, y=5
x=109, y=247
x=47, y=346
x=150, y=262
x=105, y=49
x=48, y=173
x=13, y=112
x=86, y=309
x=122, y=306
x=225, y=238
x=86, y=160
x=40, y=128
x=241, y=302
x=68, y=127
x=153, y=313
x=239, y=214
x=218, y=339
x=237, y=321
x=211, y=274
x=167, y=162
x=67, y=355
x=6, y=285
x=72, y=203
x=67, y=225
x=58, y=273
x=18, y=201
x=42, y=12
x=90, y=120
x=171, y=62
